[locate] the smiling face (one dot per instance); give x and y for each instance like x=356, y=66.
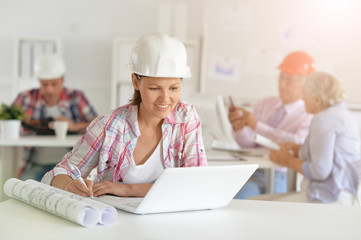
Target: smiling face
x=159, y=95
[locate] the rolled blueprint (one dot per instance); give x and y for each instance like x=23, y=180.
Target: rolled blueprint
x=108, y=214
x=265, y=142
x=75, y=208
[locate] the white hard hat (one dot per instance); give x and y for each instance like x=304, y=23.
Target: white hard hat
x=158, y=55
x=49, y=66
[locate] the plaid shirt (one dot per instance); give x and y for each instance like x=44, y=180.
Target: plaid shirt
x=73, y=105
x=110, y=140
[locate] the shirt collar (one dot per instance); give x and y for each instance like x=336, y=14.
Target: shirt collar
x=132, y=119
x=340, y=105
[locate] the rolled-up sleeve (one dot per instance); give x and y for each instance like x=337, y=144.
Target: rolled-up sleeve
x=84, y=155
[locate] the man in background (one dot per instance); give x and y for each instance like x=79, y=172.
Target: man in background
x=55, y=102
x=280, y=118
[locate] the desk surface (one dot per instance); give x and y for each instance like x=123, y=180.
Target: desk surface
x=242, y=219
x=218, y=157
x=41, y=141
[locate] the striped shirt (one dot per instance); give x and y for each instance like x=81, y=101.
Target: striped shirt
x=110, y=140
x=332, y=154
x=292, y=128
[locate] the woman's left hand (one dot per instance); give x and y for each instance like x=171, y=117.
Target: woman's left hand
x=282, y=156
x=106, y=187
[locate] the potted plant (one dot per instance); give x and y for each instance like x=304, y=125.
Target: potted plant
x=10, y=121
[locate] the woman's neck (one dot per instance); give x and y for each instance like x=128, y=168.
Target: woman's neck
x=147, y=121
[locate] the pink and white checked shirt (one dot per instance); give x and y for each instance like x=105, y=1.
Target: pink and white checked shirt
x=110, y=140
x=292, y=128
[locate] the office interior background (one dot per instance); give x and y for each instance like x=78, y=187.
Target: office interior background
x=238, y=44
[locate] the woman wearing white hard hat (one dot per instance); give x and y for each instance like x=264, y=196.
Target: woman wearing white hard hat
x=134, y=144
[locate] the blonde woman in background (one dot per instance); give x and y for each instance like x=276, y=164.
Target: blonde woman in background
x=330, y=157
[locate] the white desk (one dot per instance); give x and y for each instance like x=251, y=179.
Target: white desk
x=41, y=141
x=242, y=219
x=218, y=158
x=11, y=151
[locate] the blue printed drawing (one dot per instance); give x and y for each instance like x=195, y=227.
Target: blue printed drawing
x=223, y=71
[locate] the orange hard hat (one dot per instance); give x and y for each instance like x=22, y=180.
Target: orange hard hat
x=298, y=63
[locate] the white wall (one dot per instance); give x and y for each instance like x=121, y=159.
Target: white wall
x=86, y=28
x=330, y=30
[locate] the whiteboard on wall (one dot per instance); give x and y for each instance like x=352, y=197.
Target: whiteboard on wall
x=253, y=36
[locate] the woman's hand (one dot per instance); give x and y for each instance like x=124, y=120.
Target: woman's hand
x=120, y=189
x=77, y=187
x=66, y=183
x=106, y=187
x=292, y=148
x=282, y=156
x=285, y=158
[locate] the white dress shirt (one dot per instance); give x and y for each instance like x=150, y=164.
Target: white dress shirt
x=293, y=127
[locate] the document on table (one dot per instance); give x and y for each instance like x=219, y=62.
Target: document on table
x=266, y=142
x=225, y=145
x=78, y=209
x=224, y=156
x=234, y=147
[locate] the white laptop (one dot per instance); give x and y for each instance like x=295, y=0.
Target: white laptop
x=187, y=189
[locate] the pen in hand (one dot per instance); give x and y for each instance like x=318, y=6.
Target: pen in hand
x=77, y=175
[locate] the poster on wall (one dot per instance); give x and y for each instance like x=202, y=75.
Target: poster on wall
x=225, y=69
x=236, y=18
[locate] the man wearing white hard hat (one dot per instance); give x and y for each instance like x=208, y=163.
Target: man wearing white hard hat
x=55, y=102
x=131, y=146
